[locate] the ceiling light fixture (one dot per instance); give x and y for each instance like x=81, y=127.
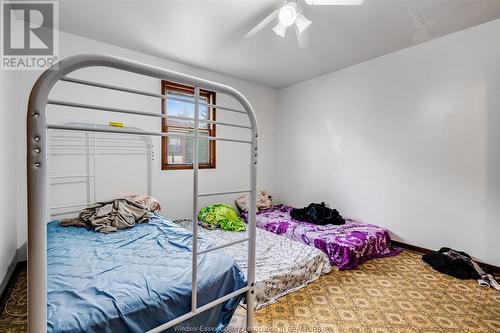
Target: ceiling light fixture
x=288, y=14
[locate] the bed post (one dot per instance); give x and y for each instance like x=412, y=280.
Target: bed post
x=252, y=233
x=194, y=288
x=37, y=201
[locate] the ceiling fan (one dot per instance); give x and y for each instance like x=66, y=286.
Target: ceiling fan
x=289, y=14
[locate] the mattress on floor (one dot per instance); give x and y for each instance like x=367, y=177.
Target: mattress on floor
x=282, y=265
x=347, y=246
x=133, y=280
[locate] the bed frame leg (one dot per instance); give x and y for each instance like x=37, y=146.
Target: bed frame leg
x=250, y=310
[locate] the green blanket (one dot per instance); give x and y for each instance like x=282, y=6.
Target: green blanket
x=221, y=216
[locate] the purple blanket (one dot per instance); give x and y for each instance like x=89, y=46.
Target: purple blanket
x=347, y=246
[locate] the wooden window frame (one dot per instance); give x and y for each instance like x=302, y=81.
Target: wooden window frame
x=211, y=98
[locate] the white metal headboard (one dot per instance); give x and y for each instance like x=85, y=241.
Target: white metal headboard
x=91, y=145
x=37, y=137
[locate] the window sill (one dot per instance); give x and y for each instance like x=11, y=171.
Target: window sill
x=185, y=167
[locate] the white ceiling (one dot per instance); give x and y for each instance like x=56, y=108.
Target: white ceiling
x=209, y=33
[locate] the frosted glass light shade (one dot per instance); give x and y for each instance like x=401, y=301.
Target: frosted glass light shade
x=302, y=23
x=280, y=29
x=287, y=14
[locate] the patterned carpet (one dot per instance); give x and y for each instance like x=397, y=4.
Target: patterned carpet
x=14, y=318
x=397, y=294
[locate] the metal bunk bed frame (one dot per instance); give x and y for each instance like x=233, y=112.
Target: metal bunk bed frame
x=38, y=178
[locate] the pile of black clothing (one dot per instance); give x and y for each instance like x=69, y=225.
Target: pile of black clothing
x=317, y=214
x=451, y=262
x=460, y=265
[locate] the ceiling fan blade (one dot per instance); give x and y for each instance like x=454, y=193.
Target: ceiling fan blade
x=421, y=26
x=334, y=2
x=262, y=24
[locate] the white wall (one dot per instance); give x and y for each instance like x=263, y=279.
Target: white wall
x=409, y=141
x=8, y=225
x=172, y=188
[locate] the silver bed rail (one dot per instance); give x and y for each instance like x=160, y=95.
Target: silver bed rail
x=37, y=137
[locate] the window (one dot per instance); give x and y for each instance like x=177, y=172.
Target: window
x=177, y=153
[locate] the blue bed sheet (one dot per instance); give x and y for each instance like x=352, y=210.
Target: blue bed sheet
x=134, y=280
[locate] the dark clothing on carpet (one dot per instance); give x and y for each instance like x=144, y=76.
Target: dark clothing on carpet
x=445, y=262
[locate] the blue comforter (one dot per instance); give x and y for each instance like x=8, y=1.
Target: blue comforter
x=133, y=280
